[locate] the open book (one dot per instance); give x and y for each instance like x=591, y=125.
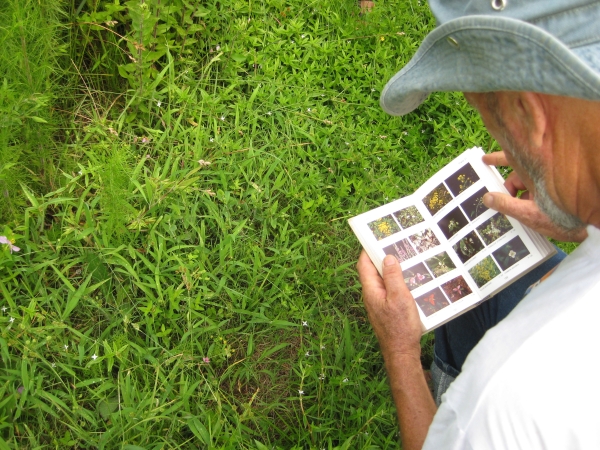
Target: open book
x=454, y=252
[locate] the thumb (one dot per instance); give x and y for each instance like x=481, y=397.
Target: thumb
x=392, y=278
x=518, y=208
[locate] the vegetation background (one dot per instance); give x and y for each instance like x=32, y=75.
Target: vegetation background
x=177, y=175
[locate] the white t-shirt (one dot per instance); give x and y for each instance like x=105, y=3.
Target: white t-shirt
x=530, y=383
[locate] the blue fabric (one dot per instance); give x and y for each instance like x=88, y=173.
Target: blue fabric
x=545, y=46
x=454, y=340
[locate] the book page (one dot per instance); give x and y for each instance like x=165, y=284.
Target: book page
x=454, y=251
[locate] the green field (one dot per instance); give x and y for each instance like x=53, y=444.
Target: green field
x=178, y=176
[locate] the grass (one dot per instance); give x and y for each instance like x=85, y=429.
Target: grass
x=178, y=177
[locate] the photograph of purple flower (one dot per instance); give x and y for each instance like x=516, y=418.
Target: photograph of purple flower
x=402, y=250
x=416, y=276
x=456, y=289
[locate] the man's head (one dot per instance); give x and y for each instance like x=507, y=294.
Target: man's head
x=536, y=59
x=526, y=149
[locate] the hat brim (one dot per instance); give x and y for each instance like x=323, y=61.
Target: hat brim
x=486, y=54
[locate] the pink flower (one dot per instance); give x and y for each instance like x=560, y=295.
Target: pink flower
x=412, y=281
x=206, y=360
x=5, y=240
x=420, y=277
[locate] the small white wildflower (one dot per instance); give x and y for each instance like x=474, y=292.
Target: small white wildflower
x=4, y=309
x=386, y=199
x=304, y=323
x=94, y=357
x=303, y=36
x=222, y=118
x=308, y=109
x=372, y=89
x=12, y=319
x=345, y=380
x=322, y=347
x=212, y=139
x=347, y=143
x=66, y=347
x=218, y=47
x=379, y=158
x=405, y=133
x=53, y=364
x=204, y=163
x=80, y=172
x=307, y=354
x=322, y=376
x=301, y=392
x=447, y=145
x=293, y=41
x=158, y=103
x=269, y=113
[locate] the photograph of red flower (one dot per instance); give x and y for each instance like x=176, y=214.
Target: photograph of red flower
x=432, y=302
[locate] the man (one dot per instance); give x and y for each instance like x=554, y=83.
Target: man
x=532, y=70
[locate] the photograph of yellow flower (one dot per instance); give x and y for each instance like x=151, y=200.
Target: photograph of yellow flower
x=484, y=271
x=437, y=199
x=384, y=227
x=462, y=179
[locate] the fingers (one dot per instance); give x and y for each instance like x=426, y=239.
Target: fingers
x=528, y=213
x=514, y=184
x=393, y=279
x=495, y=159
x=520, y=209
x=369, y=277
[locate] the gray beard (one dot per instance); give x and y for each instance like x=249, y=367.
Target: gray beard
x=562, y=219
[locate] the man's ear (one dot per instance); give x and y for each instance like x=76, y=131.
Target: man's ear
x=526, y=113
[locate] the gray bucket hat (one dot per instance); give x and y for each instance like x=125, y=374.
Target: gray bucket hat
x=546, y=46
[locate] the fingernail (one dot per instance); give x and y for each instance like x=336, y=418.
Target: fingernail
x=488, y=200
x=389, y=260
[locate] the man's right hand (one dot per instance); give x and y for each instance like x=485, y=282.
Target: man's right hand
x=524, y=208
